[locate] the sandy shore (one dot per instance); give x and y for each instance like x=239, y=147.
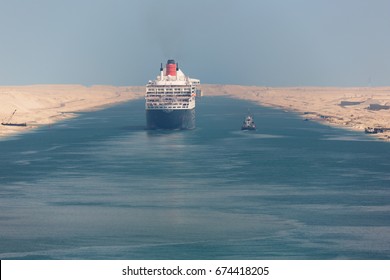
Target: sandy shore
x=351, y=108
x=45, y=104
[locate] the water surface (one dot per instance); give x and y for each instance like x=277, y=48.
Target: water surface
x=102, y=187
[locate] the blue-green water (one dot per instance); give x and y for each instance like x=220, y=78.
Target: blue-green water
x=102, y=187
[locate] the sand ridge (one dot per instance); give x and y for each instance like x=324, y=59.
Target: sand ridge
x=39, y=105
x=351, y=108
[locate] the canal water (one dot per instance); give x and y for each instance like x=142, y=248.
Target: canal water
x=100, y=186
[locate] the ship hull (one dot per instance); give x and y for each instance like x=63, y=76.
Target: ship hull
x=14, y=124
x=170, y=119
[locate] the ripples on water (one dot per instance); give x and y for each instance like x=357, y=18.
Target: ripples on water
x=102, y=187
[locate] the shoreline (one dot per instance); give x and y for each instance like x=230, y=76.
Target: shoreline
x=39, y=105
x=352, y=108
x=348, y=108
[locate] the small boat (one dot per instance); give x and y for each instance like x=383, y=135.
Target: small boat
x=248, y=124
x=8, y=123
x=373, y=130
x=14, y=124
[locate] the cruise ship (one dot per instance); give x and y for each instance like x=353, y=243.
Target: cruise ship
x=170, y=99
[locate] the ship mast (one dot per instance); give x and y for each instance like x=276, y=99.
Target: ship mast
x=9, y=120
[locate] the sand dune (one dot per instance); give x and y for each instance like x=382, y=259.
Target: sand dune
x=44, y=104
x=351, y=108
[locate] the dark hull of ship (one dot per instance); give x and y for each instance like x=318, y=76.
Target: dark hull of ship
x=248, y=128
x=173, y=119
x=14, y=124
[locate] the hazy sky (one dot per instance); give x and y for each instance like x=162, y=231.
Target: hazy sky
x=251, y=42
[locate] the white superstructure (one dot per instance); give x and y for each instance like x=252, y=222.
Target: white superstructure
x=172, y=90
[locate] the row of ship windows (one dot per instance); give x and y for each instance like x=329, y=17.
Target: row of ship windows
x=168, y=107
x=154, y=99
x=171, y=89
x=168, y=96
x=167, y=104
x=169, y=93
x=170, y=86
x=181, y=97
x=156, y=102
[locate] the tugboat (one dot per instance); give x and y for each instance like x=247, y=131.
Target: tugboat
x=373, y=130
x=248, y=124
x=8, y=123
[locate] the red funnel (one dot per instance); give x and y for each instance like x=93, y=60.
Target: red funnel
x=171, y=68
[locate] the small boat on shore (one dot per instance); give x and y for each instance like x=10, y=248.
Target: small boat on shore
x=14, y=124
x=9, y=123
x=248, y=124
x=374, y=130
